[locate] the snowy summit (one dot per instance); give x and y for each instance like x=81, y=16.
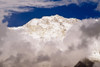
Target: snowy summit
x=48, y=27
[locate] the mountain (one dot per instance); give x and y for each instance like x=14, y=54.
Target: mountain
x=48, y=27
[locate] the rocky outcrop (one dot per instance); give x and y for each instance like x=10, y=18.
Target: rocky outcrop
x=84, y=63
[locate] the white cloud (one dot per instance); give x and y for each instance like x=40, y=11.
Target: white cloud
x=16, y=50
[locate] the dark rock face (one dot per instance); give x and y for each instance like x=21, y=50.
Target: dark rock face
x=84, y=63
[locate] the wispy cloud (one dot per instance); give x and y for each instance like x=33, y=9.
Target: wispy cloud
x=7, y=5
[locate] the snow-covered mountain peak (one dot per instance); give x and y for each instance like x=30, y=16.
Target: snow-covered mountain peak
x=49, y=27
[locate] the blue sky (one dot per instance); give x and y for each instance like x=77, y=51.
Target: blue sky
x=82, y=11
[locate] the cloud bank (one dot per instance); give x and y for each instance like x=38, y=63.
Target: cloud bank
x=81, y=41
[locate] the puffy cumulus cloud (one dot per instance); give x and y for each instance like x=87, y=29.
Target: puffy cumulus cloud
x=81, y=41
x=6, y=6
x=86, y=36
